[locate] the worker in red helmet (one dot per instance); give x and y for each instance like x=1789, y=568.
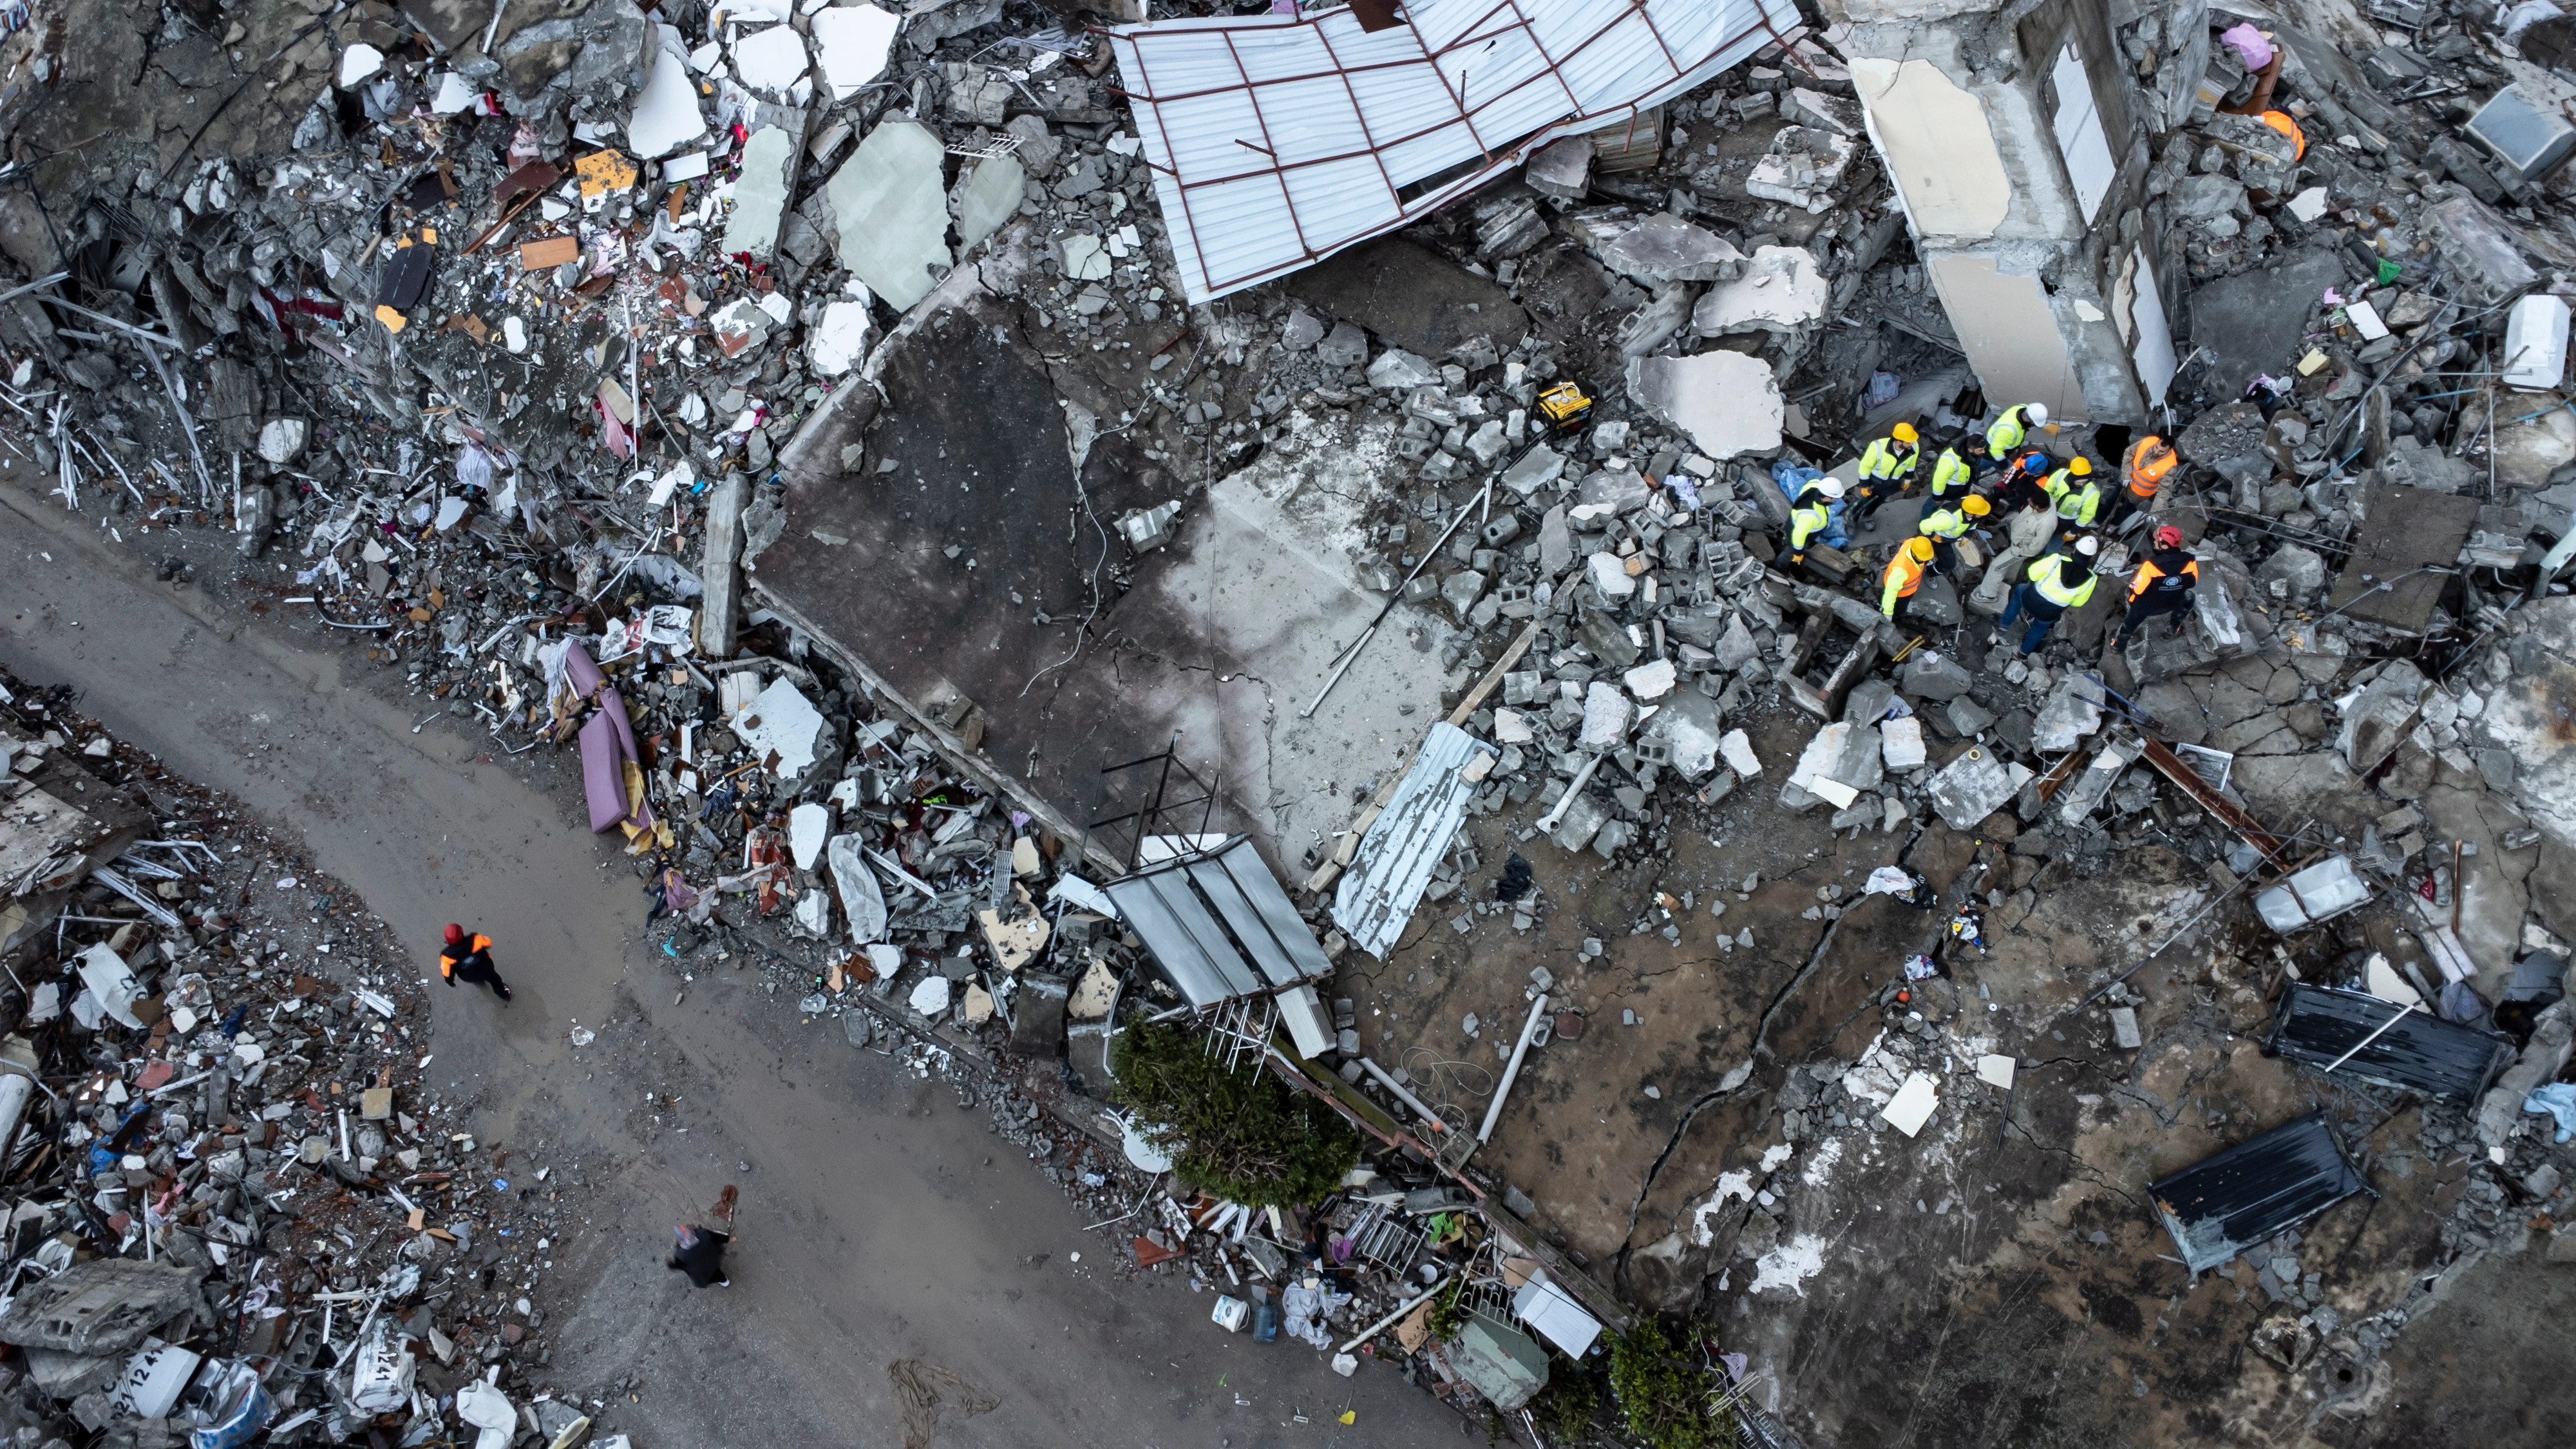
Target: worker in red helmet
x=469, y=958
x=2163, y=584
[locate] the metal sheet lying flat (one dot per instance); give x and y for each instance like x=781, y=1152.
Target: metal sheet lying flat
x=1404, y=844
x=2420, y=1053
x=2255, y=1190
x=2402, y=530
x=1219, y=925
x=1276, y=141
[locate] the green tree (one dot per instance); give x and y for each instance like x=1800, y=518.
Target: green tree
x=1665, y=1402
x=1243, y=1135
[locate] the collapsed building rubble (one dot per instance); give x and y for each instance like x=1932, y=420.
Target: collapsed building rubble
x=818, y=422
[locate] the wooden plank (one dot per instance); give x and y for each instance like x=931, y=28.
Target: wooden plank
x=1485, y=687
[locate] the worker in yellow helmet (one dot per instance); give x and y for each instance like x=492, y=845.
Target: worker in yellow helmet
x=1887, y=468
x=2076, y=495
x=1904, y=574
x=2007, y=431
x=1944, y=527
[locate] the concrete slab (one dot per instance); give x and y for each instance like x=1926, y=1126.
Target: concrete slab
x=1224, y=635
x=1410, y=297
x=2253, y=320
x=2402, y=530
x=892, y=211
x=760, y=194
x=1727, y=402
x=1781, y=292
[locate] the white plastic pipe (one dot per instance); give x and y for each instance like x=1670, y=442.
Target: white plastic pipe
x=1401, y=1095
x=16, y=1088
x=1512, y=1069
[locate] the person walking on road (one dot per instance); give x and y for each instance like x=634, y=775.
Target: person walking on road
x=469, y=958
x=700, y=1254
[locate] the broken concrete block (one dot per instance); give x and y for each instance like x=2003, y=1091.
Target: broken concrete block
x=1582, y=820
x=1562, y=169
x=1663, y=249
x=1609, y=573
x=1086, y=259
x=1736, y=647
x=281, y=440
x=1397, y=370
x=1972, y=787
x=2375, y=723
x=1839, y=763
x=840, y=340
x=359, y=64
x=760, y=192
x=2073, y=710
x=1345, y=346
x=986, y=198
x=1902, y=742
x=1555, y=543
x=1783, y=291
x=892, y=211
x=1737, y=749
x=1301, y=331
x=771, y=60
x=1607, y=711
x=1462, y=589
x=1728, y=403
x=851, y=42
x=1934, y=676
x=2300, y=572
x=1651, y=681
x=2486, y=265
x=2124, y=1028
x=666, y=114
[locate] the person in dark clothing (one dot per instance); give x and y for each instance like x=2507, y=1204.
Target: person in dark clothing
x=469, y=958
x=700, y=1254
x=2163, y=584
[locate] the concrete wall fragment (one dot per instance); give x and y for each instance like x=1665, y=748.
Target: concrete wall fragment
x=1939, y=148
x=2009, y=329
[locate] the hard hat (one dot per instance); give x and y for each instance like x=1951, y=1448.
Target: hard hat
x=455, y=933
x=1902, y=432
x=1975, y=506
x=1920, y=547
x=2081, y=467
x=2088, y=546
x=2168, y=537
x=1830, y=487
x=2037, y=413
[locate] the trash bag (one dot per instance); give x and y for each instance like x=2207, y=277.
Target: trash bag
x=1882, y=390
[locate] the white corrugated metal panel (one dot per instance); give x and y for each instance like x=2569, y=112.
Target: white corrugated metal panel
x=1217, y=921
x=1277, y=141
x=1394, y=862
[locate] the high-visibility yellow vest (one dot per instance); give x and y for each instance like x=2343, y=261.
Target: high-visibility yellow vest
x=2076, y=505
x=2007, y=432
x=2048, y=577
x=1887, y=458
x=1809, y=518
x=1949, y=471
x=1904, y=575
x=1946, y=523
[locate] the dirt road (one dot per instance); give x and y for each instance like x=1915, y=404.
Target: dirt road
x=882, y=1221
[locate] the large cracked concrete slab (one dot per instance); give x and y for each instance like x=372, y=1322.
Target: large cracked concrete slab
x=1222, y=637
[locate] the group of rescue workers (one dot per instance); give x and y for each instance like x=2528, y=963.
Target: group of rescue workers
x=2057, y=512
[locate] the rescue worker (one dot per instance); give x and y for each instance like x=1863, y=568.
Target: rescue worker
x=2006, y=432
x=1811, y=515
x=1904, y=573
x=1961, y=459
x=2148, y=461
x=2076, y=495
x=2057, y=584
x=2024, y=483
x=470, y=960
x=1886, y=469
x=2163, y=584
x=1946, y=526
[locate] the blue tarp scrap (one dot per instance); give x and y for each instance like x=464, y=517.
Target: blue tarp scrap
x=1792, y=478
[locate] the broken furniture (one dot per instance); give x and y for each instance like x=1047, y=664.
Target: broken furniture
x=2387, y=1042
x=1829, y=617
x=2255, y=1191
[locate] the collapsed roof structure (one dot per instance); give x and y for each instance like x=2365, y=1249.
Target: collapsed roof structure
x=1277, y=141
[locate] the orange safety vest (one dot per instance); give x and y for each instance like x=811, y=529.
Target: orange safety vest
x=447, y=963
x=2149, y=461
x=2148, y=573
x=1904, y=575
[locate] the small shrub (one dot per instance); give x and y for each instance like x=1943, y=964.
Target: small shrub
x=1664, y=1402
x=1243, y=1135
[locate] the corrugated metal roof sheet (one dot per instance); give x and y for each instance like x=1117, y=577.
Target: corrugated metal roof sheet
x=1394, y=862
x=2420, y=1053
x=2255, y=1190
x=1219, y=925
x=1276, y=141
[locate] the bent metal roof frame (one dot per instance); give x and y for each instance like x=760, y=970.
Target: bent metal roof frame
x=1276, y=141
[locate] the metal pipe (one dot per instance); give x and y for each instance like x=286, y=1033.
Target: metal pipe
x=1547, y=823
x=1410, y=1304
x=2375, y=1035
x=1401, y=1095
x=1512, y=1068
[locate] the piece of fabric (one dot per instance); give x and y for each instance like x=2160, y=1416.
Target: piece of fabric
x=2558, y=1100
x=1303, y=1310
x=2252, y=46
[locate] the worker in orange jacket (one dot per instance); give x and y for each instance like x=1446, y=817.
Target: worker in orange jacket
x=1904, y=574
x=2147, y=462
x=2163, y=584
x=470, y=959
